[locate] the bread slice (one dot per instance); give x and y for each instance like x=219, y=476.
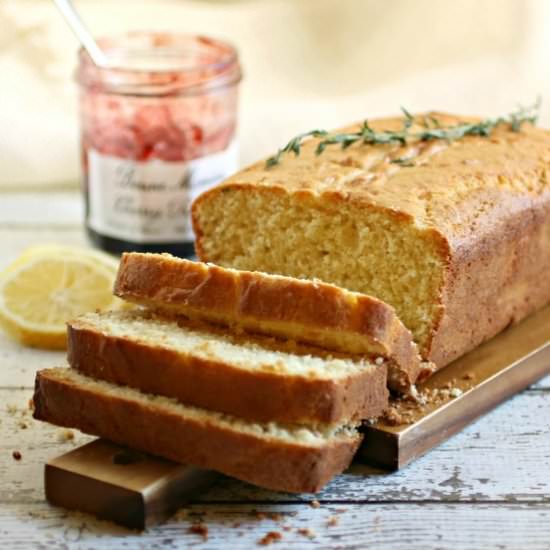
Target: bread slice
x=252, y=377
x=307, y=311
x=283, y=457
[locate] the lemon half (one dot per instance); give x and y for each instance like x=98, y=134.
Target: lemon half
x=49, y=285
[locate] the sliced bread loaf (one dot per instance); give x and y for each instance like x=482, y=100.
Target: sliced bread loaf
x=252, y=377
x=276, y=456
x=456, y=238
x=307, y=311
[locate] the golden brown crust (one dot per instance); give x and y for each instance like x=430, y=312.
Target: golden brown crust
x=486, y=202
x=495, y=281
x=270, y=463
x=308, y=311
x=249, y=394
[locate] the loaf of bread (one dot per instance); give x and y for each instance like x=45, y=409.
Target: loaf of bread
x=282, y=457
x=303, y=310
x=456, y=239
x=253, y=377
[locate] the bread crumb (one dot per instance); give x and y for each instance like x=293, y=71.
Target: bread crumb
x=379, y=361
x=280, y=366
x=392, y=417
x=268, y=538
x=16, y=455
x=31, y=404
x=199, y=529
x=333, y=521
x=455, y=392
x=415, y=395
x=23, y=425
x=12, y=409
x=315, y=504
x=65, y=435
x=181, y=514
x=307, y=532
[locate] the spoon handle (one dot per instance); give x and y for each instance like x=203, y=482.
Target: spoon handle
x=82, y=33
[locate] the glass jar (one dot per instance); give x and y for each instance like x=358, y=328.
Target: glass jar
x=157, y=129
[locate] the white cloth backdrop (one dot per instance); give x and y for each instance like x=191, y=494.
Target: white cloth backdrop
x=307, y=63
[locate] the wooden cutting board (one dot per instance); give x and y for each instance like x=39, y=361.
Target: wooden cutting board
x=480, y=380
x=128, y=487
x=138, y=490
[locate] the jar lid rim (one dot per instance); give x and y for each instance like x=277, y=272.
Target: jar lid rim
x=211, y=64
x=227, y=52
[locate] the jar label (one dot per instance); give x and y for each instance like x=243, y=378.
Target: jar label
x=149, y=202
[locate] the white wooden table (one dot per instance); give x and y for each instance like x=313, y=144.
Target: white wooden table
x=488, y=487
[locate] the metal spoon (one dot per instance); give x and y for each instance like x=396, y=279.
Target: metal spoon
x=82, y=33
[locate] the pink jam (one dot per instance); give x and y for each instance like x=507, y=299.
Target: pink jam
x=158, y=128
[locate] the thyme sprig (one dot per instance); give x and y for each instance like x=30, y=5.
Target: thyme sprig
x=431, y=130
x=294, y=146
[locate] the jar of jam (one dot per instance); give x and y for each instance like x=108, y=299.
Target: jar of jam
x=157, y=129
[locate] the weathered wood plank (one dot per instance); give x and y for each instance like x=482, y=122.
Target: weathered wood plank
x=543, y=384
x=502, y=457
x=63, y=208
x=18, y=364
x=382, y=526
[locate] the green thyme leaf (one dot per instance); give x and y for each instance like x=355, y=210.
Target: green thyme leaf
x=431, y=130
x=403, y=161
x=408, y=115
x=294, y=146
